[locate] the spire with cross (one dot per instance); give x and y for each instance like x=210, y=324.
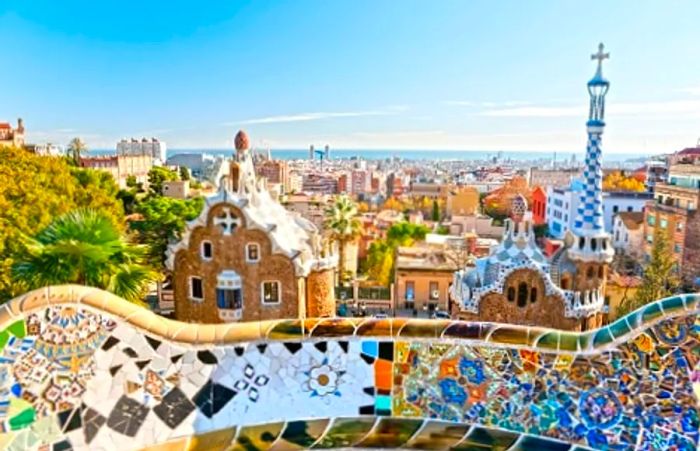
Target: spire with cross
x=593, y=243
x=600, y=56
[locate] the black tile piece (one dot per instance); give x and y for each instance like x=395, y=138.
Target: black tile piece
x=321, y=346
x=153, y=342
x=109, y=343
x=239, y=350
x=344, y=345
x=292, y=346
x=174, y=408
x=207, y=357
x=115, y=369
x=92, y=422
x=212, y=397
x=127, y=416
x=176, y=358
x=386, y=350
x=141, y=364
x=262, y=347
x=69, y=420
x=367, y=410
x=369, y=390
x=63, y=445
x=368, y=359
x=130, y=352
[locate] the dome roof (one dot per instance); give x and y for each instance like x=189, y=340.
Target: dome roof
x=241, y=140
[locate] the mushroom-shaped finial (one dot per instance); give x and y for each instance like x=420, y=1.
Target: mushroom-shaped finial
x=518, y=208
x=241, y=141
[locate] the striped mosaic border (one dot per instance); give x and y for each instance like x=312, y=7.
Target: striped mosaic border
x=542, y=339
x=365, y=432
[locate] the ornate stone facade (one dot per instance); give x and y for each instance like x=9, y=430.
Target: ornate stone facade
x=246, y=258
x=517, y=284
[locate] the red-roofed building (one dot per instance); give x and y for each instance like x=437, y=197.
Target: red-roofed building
x=10, y=136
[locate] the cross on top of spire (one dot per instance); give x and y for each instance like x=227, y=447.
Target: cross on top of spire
x=600, y=56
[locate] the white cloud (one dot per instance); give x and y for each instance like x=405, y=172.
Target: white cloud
x=469, y=103
x=317, y=116
x=671, y=108
x=694, y=90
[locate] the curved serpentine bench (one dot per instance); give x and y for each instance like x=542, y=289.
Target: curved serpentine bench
x=83, y=369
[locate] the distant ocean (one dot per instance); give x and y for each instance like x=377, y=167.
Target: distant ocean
x=416, y=155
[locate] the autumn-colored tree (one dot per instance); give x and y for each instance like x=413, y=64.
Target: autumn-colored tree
x=497, y=203
x=33, y=191
x=393, y=203
x=616, y=181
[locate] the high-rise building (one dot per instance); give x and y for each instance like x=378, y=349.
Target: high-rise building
x=153, y=147
x=675, y=210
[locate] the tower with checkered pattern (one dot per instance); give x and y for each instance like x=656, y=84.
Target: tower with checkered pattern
x=588, y=246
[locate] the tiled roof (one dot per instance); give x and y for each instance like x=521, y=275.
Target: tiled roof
x=632, y=219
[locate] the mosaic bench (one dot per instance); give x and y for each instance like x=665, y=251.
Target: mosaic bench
x=83, y=369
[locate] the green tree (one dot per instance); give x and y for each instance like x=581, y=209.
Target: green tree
x=163, y=219
x=436, y=211
x=157, y=176
x=381, y=253
x=76, y=148
x=87, y=248
x=658, y=279
x=33, y=191
x=343, y=225
x=184, y=173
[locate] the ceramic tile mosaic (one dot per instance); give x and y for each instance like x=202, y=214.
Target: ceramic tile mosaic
x=75, y=376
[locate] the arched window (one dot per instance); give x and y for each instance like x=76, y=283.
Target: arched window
x=581, y=242
x=565, y=282
x=594, y=244
x=511, y=294
x=589, y=273
x=600, y=272
x=533, y=294
x=522, y=294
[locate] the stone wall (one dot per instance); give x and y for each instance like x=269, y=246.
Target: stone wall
x=545, y=311
x=229, y=253
x=82, y=369
x=320, y=294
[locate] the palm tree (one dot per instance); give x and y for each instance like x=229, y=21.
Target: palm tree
x=85, y=247
x=76, y=148
x=342, y=223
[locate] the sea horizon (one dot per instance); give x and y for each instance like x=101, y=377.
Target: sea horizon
x=409, y=154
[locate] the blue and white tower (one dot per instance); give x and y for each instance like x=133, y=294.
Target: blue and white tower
x=590, y=242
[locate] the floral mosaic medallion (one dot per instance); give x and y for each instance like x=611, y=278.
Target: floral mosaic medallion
x=72, y=378
x=323, y=380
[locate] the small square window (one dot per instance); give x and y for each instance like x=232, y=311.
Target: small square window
x=252, y=252
x=271, y=292
x=677, y=248
x=663, y=223
x=196, y=289
x=207, y=250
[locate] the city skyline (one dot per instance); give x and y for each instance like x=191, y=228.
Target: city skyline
x=353, y=75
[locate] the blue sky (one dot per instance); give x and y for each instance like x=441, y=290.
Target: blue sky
x=478, y=75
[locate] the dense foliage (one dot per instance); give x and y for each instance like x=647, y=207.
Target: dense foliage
x=87, y=248
x=381, y=255
x=33, y=191
x=160, y=220
x=157, y=176
x=658, y=279
x=616, y=181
